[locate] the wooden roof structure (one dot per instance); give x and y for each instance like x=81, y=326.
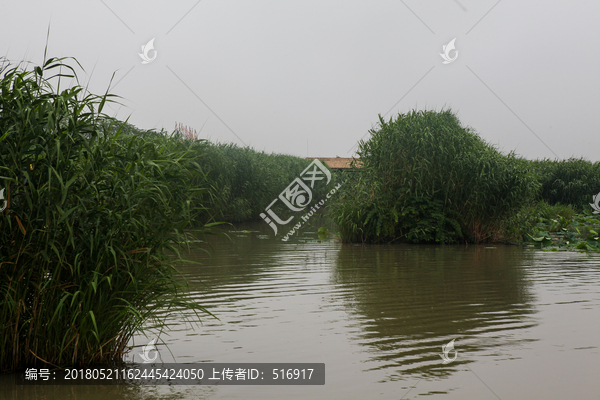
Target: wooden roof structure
x=335, y=162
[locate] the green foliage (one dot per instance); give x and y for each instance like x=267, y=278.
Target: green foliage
x=247, y=181
x=425, y=178
x=573, y=181
x=92, y=215
x=562, y=211
x=559, y=233
x=521, y=223
x=553, y=228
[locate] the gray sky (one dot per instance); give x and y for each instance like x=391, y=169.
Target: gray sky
x=277, y=75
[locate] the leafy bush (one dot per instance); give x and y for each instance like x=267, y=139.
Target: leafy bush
x=425, y=178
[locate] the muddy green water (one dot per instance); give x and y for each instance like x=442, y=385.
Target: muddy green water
x=526, y=323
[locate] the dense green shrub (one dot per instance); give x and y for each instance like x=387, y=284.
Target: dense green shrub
x=91, y=216
x=573, y=181
x=425, y=178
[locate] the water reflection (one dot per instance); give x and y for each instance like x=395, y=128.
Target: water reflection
x=411, y=300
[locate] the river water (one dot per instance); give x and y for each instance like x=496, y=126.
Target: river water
x=526, y=323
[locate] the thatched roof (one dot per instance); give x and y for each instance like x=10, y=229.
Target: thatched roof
x=335, y=163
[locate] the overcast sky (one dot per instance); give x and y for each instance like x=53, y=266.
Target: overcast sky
x=310, y=77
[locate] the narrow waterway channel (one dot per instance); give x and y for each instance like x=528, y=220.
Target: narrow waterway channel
x=526, y=323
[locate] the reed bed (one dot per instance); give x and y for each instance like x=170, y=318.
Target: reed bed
x=245, y=181
x=92, y=215
x=240, y=181
x=427, y=179
x=97, y=213
x=568, y=182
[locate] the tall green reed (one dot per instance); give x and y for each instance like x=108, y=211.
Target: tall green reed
x=94, y=223
x=426, y=178
x=246, y=181
x=240, y=181
x=568, y=182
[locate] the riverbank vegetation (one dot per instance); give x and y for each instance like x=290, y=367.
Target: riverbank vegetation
x=569, y=182
x=97, y=212
x=247, y=181
x=554, y=227
x=91, y=216
x=427, y=179
x=240, y=182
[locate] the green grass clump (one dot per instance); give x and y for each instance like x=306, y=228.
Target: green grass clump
x=92, y=214
x=427, y=179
